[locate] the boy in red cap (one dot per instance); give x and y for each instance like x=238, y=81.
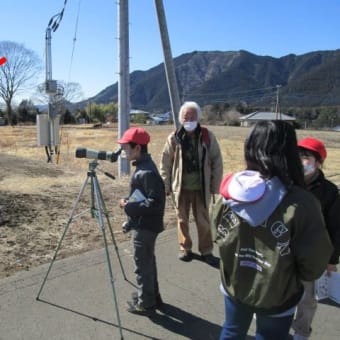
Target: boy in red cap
x=313, y=153
x=144, y=207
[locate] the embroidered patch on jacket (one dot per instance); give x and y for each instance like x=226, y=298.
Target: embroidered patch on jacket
x=251, y=264
x=284, y=248
x=278, y=229
x=228, y=221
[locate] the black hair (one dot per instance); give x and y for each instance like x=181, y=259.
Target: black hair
x=308, y=153
x=143, y=147
x=271, y=149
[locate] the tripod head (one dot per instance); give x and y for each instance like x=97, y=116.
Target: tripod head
x=92, y=170
x=93, y=165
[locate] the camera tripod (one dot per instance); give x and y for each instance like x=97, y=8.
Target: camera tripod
x=98, y=210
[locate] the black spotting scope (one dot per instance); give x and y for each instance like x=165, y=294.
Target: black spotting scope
x=111, y=156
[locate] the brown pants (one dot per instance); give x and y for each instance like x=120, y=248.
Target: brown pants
x=193, y=199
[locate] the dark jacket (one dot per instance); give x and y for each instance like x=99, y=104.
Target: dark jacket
x=147, y=214
x=328, y=195
x=262, y=266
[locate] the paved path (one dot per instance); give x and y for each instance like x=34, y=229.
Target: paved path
x=77, y=302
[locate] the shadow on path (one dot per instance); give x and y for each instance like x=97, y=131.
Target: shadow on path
x=93, y=318
x=186, y=324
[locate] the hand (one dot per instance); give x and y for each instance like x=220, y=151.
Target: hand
x=331, y=268
x=122, y=203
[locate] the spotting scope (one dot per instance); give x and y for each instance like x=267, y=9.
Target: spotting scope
x=110, y=156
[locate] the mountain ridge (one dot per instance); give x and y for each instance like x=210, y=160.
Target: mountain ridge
x=311, y=79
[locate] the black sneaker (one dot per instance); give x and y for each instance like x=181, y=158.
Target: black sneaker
x=185, y=255
x=137, y=308
x=159, y=301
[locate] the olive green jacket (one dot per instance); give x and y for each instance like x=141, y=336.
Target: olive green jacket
x=263, y=266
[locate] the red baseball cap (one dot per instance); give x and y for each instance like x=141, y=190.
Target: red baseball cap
x=135, y=135
x=315, y=145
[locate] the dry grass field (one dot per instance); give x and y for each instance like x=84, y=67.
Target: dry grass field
x=36, y=197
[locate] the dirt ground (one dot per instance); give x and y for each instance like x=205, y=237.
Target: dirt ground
x=33, y=217
x=36, y=197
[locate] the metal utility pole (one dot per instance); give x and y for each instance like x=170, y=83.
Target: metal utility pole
x=48, y=124
x=277, y=108
x=168, y=62
x=124, y=78
x=50, y=88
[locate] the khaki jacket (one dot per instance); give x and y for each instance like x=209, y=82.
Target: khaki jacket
x=210, y=164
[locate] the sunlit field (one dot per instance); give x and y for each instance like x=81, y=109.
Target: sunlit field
x=36, y=197
x=22, y=142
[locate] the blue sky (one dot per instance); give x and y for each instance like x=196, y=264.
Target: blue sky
x=263, y=27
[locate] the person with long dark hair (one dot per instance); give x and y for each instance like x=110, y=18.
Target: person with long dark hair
x=271, y=235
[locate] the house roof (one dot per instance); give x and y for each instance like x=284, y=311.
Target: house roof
x=257, y=115
x=138, y=112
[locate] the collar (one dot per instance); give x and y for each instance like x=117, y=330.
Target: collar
x=181, y=134
x=143, y=157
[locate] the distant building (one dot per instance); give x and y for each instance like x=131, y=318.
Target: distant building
x=160, y=119
x=139, y=116
x=139, y=112
x=257, y=116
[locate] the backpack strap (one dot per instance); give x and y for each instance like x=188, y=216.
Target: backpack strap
x=205, y=135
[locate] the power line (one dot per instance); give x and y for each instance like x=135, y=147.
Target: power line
x=247, y=96
x=74, y=41
x=234, y=93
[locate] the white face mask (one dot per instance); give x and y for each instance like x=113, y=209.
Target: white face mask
x=190, y=126
x=308, y=169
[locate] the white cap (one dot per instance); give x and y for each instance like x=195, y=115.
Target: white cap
x=243, y=186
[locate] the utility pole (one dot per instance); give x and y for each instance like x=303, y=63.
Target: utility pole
x=123, y=79
x=168, y=62
x=277, y=107
x=50, y=87
x=48, y=124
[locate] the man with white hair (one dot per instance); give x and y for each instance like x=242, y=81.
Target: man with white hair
x=191, y=167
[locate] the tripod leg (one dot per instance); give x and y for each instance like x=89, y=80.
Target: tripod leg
x=63, y=235
x=99, y=204
x=105, y=212
x=116, y=249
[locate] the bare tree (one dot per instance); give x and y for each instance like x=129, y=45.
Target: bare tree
x=66, y=93
x=18, y=73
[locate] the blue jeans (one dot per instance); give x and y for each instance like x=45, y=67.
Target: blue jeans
x=239, y=317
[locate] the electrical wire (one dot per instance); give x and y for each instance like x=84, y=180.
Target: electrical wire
x=74, y=41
